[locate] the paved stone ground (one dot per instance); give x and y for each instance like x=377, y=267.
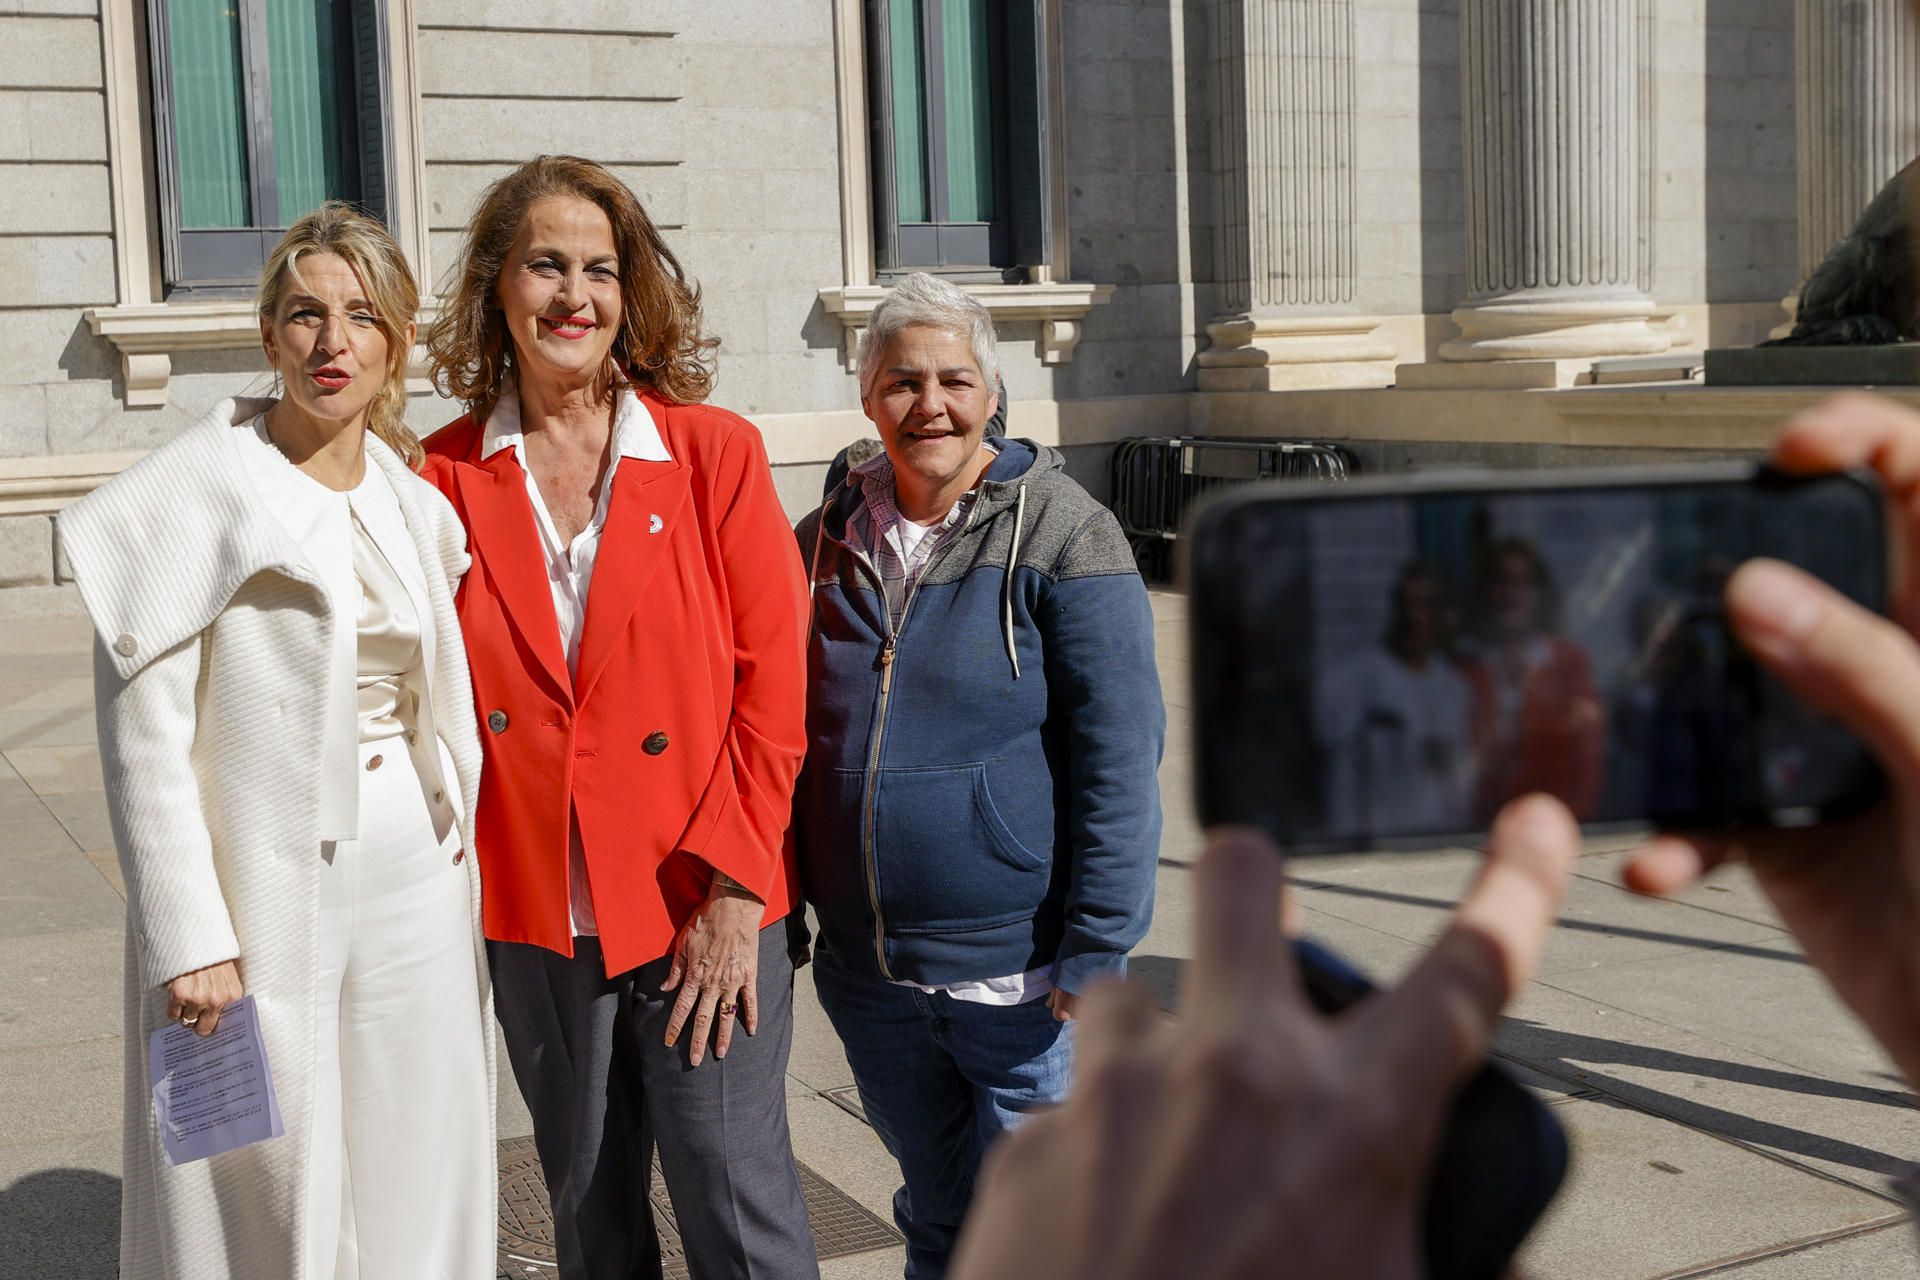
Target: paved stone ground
x=1727, y=1117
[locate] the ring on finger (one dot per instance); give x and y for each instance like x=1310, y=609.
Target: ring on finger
x=726, y=1010
x=185, y=1021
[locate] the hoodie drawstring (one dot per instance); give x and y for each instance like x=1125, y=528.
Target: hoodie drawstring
x=1006, y=588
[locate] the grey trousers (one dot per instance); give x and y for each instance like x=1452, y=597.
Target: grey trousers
x=604, y=1091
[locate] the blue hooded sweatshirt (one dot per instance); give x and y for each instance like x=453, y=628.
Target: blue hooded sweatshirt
x=981, y=793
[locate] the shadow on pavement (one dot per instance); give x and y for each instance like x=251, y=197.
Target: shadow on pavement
x=1577, y=926
x=63, y=1222
x=1158, y=974
x=1574, y=1058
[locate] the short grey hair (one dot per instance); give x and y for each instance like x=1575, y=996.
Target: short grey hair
x=921, y=299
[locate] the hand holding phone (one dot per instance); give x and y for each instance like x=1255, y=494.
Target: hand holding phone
x=1254, y=1131
x=1387, y=663
x=1849, y=891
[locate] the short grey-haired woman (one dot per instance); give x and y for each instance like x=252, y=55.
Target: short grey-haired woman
x=978, y=819
x=291, y=761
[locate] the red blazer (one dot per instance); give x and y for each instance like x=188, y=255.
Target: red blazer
x=1559, y=743
x=679, y=745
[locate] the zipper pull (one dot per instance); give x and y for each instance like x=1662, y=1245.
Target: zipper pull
x=886, y=653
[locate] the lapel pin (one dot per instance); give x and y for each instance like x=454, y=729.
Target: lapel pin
x=655, y=524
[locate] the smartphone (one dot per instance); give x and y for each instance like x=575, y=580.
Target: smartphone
x=1502, y=1155
x=1383, y=664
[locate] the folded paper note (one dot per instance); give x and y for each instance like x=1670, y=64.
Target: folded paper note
x=213, y=1093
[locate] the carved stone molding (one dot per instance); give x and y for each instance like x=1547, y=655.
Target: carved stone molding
x=149, y=335
x=1280, y=351
x=1058, y=307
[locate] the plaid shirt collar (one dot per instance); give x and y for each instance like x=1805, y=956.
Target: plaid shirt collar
x=879, y=537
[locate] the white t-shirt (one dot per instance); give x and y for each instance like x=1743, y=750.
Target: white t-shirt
x=1399, y=744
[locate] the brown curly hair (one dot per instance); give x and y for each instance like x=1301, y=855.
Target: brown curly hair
x=660, y=344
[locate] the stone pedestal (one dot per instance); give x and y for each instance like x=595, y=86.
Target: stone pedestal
x=1856, y=115
x=1895, y=365
x=1283, y=142
x=1278, y=351
x=1556, y=235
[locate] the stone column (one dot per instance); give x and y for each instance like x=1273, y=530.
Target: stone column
x=1283, y=146
x=1856, y=114
x=1556, y=219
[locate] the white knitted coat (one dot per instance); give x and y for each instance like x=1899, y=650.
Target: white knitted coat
x=212, y=672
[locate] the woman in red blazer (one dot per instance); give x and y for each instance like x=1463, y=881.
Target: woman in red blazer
x=1538, y=725
x=635, y=622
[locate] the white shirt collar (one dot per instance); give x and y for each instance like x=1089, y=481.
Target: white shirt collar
x=635, y=434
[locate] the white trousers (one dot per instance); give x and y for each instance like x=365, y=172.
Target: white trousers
x=400, y=1124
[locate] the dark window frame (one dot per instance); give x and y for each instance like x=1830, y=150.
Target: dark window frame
x=1011, y=247
x=227, y=262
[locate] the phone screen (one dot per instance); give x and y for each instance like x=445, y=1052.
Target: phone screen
x=1377, y=667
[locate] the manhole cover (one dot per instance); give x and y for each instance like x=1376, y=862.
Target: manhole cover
x=841, y=1226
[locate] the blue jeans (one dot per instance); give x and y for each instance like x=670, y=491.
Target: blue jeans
x=940, y=1079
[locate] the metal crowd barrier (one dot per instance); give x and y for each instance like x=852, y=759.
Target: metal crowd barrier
x=1157, y=480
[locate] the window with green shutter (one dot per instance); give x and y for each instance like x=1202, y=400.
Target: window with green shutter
x=263, y=109
x=956, y=94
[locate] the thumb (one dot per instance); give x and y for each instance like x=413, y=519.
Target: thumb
x=1838, y=657
x=679, y=966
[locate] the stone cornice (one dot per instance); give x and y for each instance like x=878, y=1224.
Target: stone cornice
x=42, y=486
x=1058, y=307
x=148, y=336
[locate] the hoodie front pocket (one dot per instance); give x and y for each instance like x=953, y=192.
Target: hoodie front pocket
x=944, y=857
x=827, y=836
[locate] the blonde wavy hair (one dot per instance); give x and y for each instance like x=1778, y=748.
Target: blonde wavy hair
x=340, y=229
x=660, y=344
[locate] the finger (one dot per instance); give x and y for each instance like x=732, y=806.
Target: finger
x=702, y=1026
x=1671, y=863
x=1118, y=1098
x=1292, y=921
x=1240, y=957
x=750, y=1005
x=1836, y=656
x=1858, y=430
x=175, y=1010
x=678, y=968
x=208, y=1020
x=682, y=1007
x=723, y=1024
x=1853, y=429
x=1115, y=1017
x=1435, y=1025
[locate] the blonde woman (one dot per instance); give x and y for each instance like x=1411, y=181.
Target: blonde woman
x=291, y=763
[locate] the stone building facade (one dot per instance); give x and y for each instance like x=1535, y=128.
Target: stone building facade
x=1412, y=224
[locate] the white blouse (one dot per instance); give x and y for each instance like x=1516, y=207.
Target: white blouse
x=357, y=544
x=387, y=666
